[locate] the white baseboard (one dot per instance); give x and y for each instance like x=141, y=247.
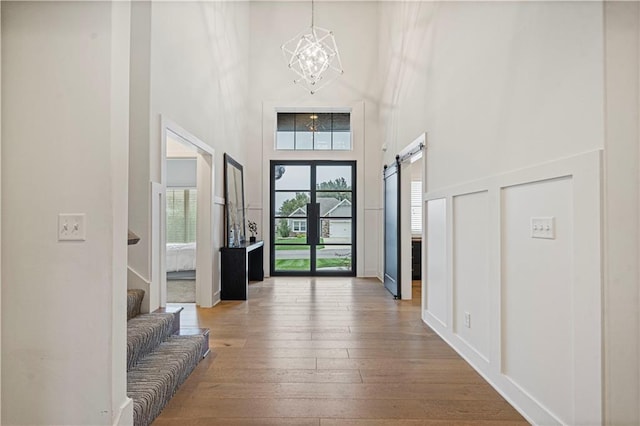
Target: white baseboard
x=370, y=274
x=124, y=416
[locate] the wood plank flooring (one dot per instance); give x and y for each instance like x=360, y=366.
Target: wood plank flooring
x=328, y=352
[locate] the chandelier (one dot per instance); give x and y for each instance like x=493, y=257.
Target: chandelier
x=313, y=56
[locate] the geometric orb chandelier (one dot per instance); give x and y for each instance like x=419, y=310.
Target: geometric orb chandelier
x=313, y=55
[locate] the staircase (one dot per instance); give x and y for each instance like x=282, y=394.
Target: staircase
x=159, y=357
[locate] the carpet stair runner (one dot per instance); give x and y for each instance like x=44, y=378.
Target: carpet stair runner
x=159, y=358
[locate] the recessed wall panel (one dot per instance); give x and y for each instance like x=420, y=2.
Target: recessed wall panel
x=537, y=282
x=437, y=259
x=471, y=270
x=372, y=220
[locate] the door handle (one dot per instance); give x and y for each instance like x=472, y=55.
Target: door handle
x=310, y=215
x=317, y=221
x=313, y=225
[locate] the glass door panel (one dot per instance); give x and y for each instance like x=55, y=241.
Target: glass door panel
x=335, y=204
x=333, y=258
x=289, y=199
x=335, y=231
x=292, y=258
x=333, y=177
x=292, y=177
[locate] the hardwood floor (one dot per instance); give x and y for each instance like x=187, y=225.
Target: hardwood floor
x=328, y=352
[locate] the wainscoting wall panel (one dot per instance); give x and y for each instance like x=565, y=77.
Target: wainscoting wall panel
x=372, y=220
x=471, y=270
x=534, y=305
x=536, y=293
x=437, y=271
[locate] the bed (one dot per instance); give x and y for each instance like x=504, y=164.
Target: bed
x=181, y=259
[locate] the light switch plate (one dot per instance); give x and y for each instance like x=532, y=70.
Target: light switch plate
x=543, y=227
x=71, y=227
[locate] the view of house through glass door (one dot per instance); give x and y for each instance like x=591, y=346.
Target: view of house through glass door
x=313, y=226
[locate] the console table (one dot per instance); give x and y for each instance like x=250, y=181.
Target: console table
x=239, y=265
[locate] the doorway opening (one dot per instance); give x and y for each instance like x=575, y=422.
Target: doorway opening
x=181, y=213
x=313, y=224
x=184, y=257
x=412, y=191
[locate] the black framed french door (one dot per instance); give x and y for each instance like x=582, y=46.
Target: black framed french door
x=313, y=218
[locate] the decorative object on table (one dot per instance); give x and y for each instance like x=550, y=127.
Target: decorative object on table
x=313, y=55
x=234, y=201
x=253, y=230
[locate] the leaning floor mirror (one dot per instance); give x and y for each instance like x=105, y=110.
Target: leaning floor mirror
x=234, y=200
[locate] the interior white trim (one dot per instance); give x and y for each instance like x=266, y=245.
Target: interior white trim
x=158, y=247
x=124, y=415
x=303, y=109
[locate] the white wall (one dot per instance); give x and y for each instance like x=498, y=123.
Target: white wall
x=64, y=129
x=271, y=87
x=405, y=42
x=622, y=29
x=497, y=86
x=192, y=61
x=502, y=89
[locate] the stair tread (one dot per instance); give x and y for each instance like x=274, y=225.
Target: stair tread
x=169, y=309
x=175, y=347
x=144, y=333
x=190, y=331
x=155, y=379
x=176, y=311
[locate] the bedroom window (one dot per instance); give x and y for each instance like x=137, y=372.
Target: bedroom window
x=181, y=215
x=416, y=207
x=313, y=131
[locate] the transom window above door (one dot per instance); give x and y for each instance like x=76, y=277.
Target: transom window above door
x=311, y=131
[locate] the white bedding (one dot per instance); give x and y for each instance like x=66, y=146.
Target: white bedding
x=181, y=257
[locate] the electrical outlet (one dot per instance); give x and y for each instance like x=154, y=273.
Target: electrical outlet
x=467, y=319
x=71, y=227
x=543, y=227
